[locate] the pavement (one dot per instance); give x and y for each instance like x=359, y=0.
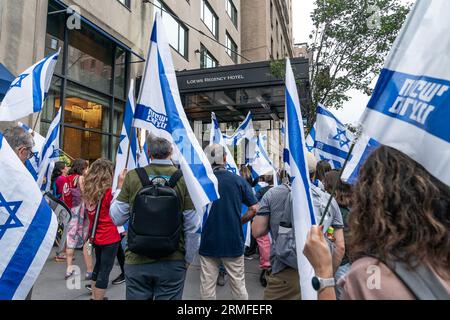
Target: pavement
x=51, y=285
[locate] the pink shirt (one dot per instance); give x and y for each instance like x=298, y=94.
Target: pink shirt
x=360, y=282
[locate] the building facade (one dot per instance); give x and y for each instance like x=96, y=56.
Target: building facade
x=104, y=44
x=267, y=29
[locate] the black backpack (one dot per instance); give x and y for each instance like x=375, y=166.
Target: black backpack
x=156, y=219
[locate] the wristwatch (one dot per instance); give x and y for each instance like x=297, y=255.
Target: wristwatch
x=320, y=283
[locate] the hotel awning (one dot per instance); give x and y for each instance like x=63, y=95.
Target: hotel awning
x=232, y=91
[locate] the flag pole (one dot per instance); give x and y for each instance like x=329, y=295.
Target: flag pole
x=37, y=119
x=333, y=191
x=68, y=155
x=128, y=151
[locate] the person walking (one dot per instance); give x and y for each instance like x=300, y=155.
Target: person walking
x=275, y=212
x=79, y=223
x=59, y=176
x=222, y=239
x=104, y=236
x=150, y=274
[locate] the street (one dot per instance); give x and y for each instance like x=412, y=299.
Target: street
x=51, y=285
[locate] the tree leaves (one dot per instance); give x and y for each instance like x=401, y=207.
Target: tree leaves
x=349, y=45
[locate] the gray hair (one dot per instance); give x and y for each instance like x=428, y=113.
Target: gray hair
x=18, y=137
x=215, y=154
x=159, y=148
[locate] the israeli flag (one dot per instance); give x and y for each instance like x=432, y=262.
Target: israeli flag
x=244, y=131
x=311, y=139
x=160, y=111
x=127, y=136
x=409, y=109
x=332, y=138
x=216, y=137
x=27, y=227
x=303, y=215
x=33, y=163
x=260, y=160
x=49, y=154
x=27, y=92
x=361, y=151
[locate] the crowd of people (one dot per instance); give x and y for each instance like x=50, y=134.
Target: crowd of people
x=394, y=224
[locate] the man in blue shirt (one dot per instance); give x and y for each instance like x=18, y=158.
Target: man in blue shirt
x=222, y=235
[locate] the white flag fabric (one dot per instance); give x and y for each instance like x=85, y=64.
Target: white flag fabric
x=216, y=137
x=128, y=135
x=27, y=92
x=27, y=227
x=362, y=150
x=332, y=139
x=33, y=163
x=49, y=153
x=410, y=107
x=143, y=158
x=259, y=159
x=160, y=111
x=303, y=214
x=244, y=131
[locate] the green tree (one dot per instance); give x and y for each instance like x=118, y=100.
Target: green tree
x=349, y=44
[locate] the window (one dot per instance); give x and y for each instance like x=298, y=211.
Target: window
x=271, y=14
x=271, y=47
x=89, y=84
x=176, y=32
x=232, y=12
x=126, y=3
x=209, y=18
x=207, y=60
x=231, y=48
x=90, y=59
x=276, y=30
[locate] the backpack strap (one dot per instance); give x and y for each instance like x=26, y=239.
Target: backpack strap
x=143, y=176
x=175, y=178
x=421, y=281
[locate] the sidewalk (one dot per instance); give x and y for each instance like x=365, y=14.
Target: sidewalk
x=51, y=284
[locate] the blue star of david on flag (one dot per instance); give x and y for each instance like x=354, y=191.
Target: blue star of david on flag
x=8, y=218
x=18, y=82
x=342, y=138
x=121, y=139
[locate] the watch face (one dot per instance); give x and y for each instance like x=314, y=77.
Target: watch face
x=315, y=283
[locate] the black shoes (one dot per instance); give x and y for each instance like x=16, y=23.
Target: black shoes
x=262, y=278
x=120, y=279
x=221, y=279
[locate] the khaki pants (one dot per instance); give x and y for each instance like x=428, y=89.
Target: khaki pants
x=284, y=285
x=210, y=271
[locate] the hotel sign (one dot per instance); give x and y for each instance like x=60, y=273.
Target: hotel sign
x=234, y=76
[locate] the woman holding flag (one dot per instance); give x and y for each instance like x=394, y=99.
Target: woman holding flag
x=399, y=234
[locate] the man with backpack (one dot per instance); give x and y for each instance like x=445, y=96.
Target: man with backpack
x=275, y=216
x=163, y=225
x=222, y=235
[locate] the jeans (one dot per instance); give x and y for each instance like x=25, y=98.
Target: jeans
x=104, y=262
x=162, y=280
